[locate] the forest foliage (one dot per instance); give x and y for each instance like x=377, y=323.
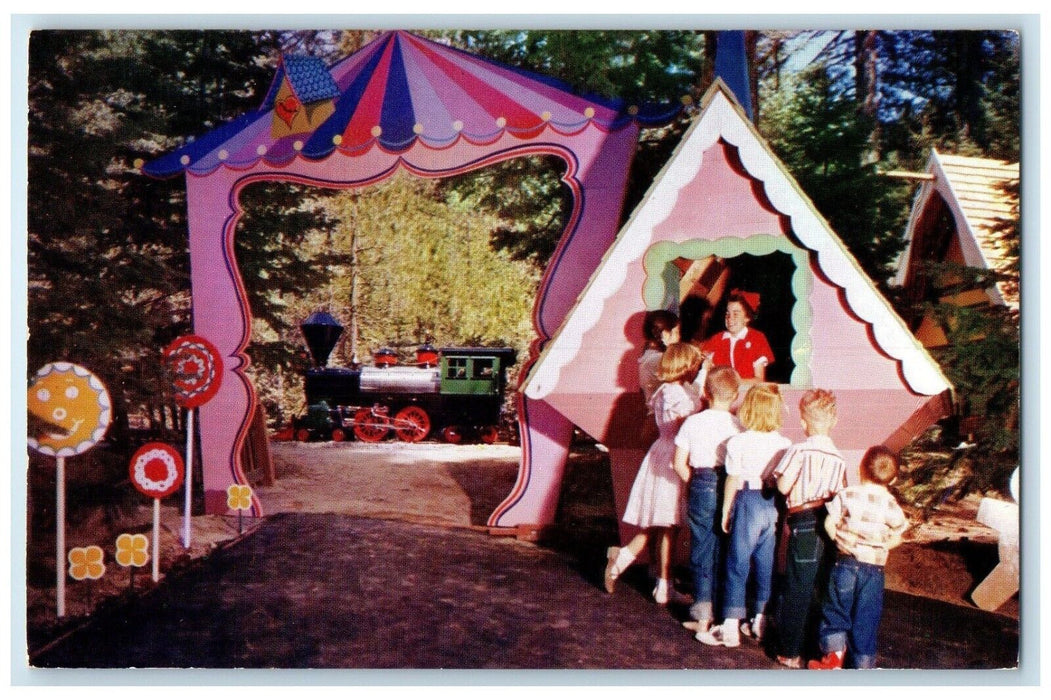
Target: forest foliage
x=107, y=251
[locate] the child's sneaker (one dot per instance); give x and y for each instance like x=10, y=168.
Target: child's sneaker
x=724, y=635
x=790, y=661
x=830, y=661
x=697, y=625
x=754, y=628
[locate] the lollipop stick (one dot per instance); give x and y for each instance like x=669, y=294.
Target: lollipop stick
x=189, y=479
x=60, y=535
x=156, y=539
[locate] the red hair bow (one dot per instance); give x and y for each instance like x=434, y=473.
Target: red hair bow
x=750, y=298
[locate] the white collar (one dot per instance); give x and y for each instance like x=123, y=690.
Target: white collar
x=739, y=336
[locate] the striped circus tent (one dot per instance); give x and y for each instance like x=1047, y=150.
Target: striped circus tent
x=398, y=92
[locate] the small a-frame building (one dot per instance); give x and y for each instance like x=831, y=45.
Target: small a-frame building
x=964, y=212
x=725, y=200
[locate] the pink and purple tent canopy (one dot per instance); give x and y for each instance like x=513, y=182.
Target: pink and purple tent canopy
x=401, y=102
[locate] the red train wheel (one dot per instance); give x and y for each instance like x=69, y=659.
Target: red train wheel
x=338, y=435
x=303, y=435
x=489, y=434
x=411, y=424
x=369, y=427
x=452, y=435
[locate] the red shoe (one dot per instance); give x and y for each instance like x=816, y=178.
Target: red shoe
x=829, y=662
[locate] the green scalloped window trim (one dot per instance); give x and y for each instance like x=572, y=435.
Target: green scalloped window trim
x=661, y=278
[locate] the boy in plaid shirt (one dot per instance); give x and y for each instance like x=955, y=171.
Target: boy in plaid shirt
x=866, y=523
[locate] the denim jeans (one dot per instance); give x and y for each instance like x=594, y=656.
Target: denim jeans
x=852, y=610
x=752, y=540
x=702, y=515
x=803, y=554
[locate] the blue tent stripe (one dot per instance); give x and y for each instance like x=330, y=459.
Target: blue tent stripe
x=320, y=143
x=396, y=117
x=172, y=163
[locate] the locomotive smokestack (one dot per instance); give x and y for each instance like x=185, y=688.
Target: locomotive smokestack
x=321, y=332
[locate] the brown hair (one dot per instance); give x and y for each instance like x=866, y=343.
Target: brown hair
x=879, y=465
x=679, y=362
x=818, y=406
x=762, y=407
x=655, y=323
x=722, y=383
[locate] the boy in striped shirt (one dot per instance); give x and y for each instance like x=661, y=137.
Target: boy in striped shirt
x=866, y=523
x=810, y=473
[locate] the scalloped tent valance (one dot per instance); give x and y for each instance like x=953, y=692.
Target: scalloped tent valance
x=398, y=91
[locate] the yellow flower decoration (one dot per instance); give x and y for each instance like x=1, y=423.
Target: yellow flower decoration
x=239, y=497
x=132, y=550
x=86, y=562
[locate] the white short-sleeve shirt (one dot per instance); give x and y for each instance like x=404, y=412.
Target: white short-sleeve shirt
x=704, y=437
x=753, y=454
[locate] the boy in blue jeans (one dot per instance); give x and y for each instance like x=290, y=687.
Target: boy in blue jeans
x=866, y=523
x=810, y=473
x=700, y=458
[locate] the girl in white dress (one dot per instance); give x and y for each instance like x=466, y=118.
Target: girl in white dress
x=656, y=502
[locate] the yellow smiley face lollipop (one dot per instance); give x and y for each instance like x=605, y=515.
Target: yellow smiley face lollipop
x=73, y=405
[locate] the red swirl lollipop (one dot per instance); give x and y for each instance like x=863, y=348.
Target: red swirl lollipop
x=196, y=370
x=156, y=470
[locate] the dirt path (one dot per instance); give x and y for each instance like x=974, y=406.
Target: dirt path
x=459, y=487
x=431, y=483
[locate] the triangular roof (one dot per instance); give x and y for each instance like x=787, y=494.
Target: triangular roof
x=401, y=90
x=982, y=195
x=721, y=119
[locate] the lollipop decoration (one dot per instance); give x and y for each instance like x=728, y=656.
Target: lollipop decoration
x=196, y=372
x=70, y=410
x=157, y=471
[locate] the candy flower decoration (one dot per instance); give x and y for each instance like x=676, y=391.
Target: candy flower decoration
x=132, y=549
x=74, y=402
x=86, y=562
x=239, y=497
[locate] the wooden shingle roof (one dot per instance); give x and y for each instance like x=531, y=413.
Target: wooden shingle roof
x=982, y=194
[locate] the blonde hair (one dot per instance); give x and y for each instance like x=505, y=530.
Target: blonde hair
x=679, y=362
x=818, y=407
x=762, y=408
x=879, y=465
x=722, y=383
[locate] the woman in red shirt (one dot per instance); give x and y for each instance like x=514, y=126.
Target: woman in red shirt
x=743, y=348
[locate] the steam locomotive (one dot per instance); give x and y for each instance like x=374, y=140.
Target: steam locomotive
x=454, y=393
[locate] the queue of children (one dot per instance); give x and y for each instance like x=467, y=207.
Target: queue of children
x=734, y=478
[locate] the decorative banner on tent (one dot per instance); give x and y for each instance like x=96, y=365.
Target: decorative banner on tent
x=86, y=562
x=72, y=408
x=156, y=470
x=196, y=370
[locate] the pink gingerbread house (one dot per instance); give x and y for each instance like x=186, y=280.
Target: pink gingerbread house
x=724, y=209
